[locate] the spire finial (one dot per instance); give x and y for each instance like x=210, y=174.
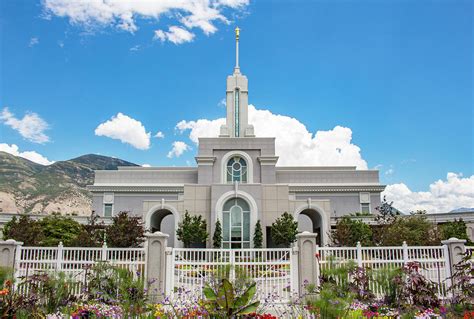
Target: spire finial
x=237, y=36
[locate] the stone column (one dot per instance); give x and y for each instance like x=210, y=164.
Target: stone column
x=308, y=271
x=155, y=245
x=454, y=248
x=8, y=249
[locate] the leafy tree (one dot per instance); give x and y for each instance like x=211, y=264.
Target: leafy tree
x=258, y=236
x=192, y=230
x=415, y=229
x=92, y=234
x=23, y=229
x=57, y=228
x=284, y=230
x=125, y=231
x=349, y=231
x=217, y=238
x=456, y=228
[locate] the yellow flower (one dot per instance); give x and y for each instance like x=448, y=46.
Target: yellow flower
x=159, y=312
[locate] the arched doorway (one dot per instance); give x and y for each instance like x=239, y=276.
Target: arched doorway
x=236, y=224
x=163, y=220
x=311, y=220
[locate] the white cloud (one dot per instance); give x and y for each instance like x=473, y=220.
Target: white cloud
x=178, y=149
x=135, y=48
x=159, y=134
x=120, y=14
x=33, y=41
x=29, y=155
x=146, y=165
x=126, y=129
x=31, y=126
x=390, y=171
x=443, y=196
x=175, y=34
x=294, y=143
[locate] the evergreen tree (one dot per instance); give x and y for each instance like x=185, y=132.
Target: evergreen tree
x=192, y=230
x=258, y=236
x=217, y=238
x=284, y=230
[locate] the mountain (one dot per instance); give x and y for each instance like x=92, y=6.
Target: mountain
x=60, y=187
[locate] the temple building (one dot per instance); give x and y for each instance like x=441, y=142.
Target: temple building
x=238, y=181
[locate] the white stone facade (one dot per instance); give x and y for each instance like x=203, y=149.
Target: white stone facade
x=237, y=165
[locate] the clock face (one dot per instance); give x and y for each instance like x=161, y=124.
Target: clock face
x=237, y=112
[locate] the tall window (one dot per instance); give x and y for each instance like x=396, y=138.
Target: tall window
x=237, y=112
x=236, y=224
x=365, y=208
x=237, y=170
x=108, y=210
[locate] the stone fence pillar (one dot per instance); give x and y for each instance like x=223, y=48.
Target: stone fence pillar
x=8, y=249
x=308, y=270
x=454, y=248
x=155, y=245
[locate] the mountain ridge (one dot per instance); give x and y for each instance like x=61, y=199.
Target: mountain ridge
x=28, y=187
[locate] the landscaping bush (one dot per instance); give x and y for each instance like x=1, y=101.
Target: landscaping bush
x=284, y=230
x=125, y=231
x=456, y=229
x=258, y=236
x=192, y=230
x=57, y=228
x=217, y=238
x=24, y=229
x=349, y=231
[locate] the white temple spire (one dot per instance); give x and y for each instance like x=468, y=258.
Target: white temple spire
x=237, y=35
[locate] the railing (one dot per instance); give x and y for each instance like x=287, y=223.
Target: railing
x=189, y=270
x=432, y=259
x=75, y=261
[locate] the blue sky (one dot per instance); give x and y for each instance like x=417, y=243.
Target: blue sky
x=398, y=74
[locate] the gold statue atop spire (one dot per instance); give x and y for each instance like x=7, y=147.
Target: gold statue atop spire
x=237, y=33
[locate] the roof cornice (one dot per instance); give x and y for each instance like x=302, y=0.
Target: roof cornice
x=335, y=188
x=136, y=188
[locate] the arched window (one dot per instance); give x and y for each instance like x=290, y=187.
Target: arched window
x=236, y=170
x=236, y=224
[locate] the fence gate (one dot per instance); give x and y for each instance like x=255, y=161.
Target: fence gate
x=189, y=270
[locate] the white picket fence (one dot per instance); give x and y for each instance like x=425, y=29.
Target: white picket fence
x=273, y=270
x=75, y=261
x=433, y=260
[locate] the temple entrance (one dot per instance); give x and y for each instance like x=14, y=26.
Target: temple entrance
x=163, y=220
x=310, y=220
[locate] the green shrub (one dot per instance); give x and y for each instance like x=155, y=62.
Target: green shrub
x=125, y=231
x=217, y=238
x=284, y=230
x=258, y=236
x=192, y=230
x=349, y=231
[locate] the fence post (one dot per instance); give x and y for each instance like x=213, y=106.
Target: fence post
x=10, y=253
x=454, y=248
x=308, y=270
x=359, y=254
x=103, y=256
x=232, y=266
x=59, y=257
x=294, y=283
x=169, y=285
x=156, y=244
x=405, y=253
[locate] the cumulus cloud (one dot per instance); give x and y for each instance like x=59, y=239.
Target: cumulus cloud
x=178, y=149
x=146, y=165
x=123, y=15
x=159, y=134
x=127, y=130
x=294, y=143
x=175, y=34
x=31, y=126
x=29, y=155
x=444, y=195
